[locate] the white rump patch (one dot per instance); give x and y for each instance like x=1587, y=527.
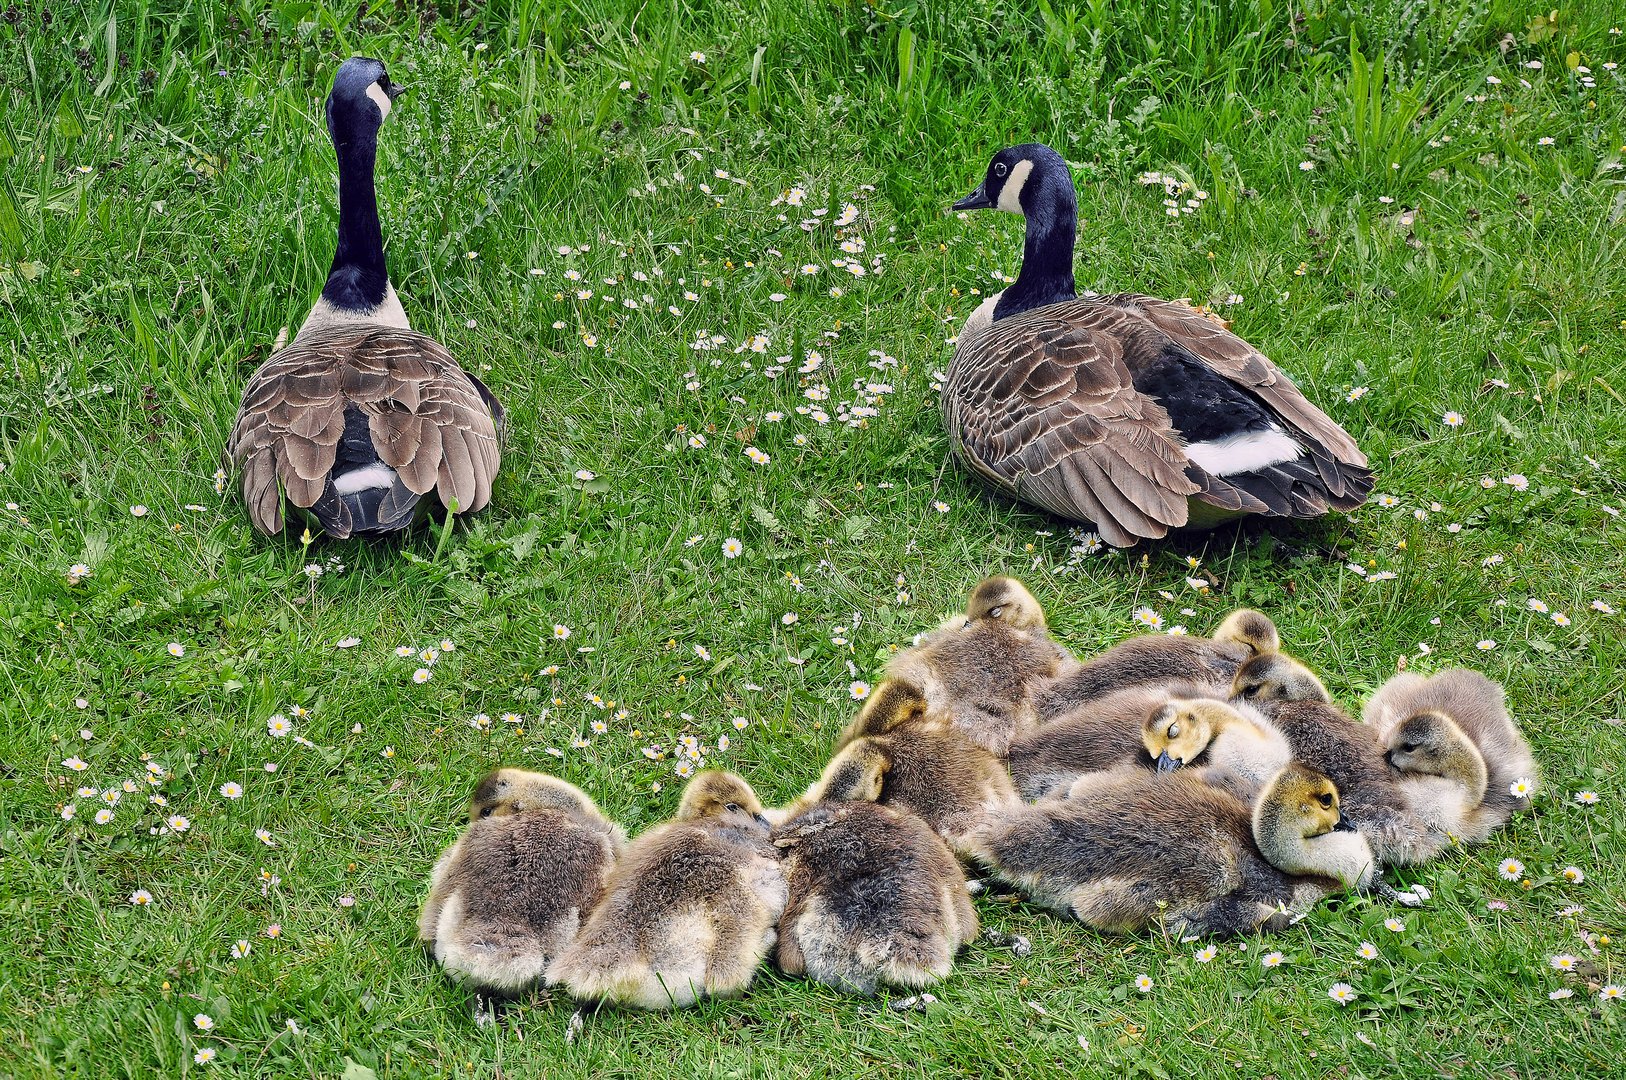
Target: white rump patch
x=980, y=319
x=379, y=98
x=379, y=475
x=1010, y=196
x=1245, y=452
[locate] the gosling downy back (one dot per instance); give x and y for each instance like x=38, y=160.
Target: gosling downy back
x=982, y=674
x=1101, y=734
x=1163, y=659
x=690, y=909
x=510, y=895
x=918, y=765
x=1478, y=706
x=1135, y=850
x=875, y=898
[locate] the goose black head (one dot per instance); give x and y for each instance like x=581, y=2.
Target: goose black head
x=1015, y=179
x=361, y=98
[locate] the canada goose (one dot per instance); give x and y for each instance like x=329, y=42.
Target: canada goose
x=981, y=670
x=1153, y=659
x=1243, y=749
x=1101, y=734
x=1476, y=707
x=1270, y=678
x=689, y=910
x=875, y=897
x=511, y=893
x=1137, y=414
x=360, y=416
x=1352, y=756
x=903, y=756
x=1136, y=849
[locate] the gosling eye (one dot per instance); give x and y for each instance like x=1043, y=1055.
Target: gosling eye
x=1251, y=690
x=1326, y=799
x=1174, y=731
x=487, y=811
x=732, y=808
x=1408, y=748
x=999, y=168
x=996, y=611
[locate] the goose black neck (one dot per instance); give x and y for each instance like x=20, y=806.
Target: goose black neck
x=358, y=278
x=1047, y=253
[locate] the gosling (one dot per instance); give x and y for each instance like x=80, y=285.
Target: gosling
x=1097, y=736
x=1241, y=750
x=1136, y=850
x=1158, y=659
x=1269, y=679
x=690, y=909
x=1438, y=725
x=509, y=896
x=900, y=754
x=875, y=898
x=981, y=669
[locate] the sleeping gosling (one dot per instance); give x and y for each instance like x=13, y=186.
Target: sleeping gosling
x=510, y=894
x=1374, y=801
x=1134, y=850
x=1269, y=678
x=689, y=911
x=1099, y=735
x=1478, y=709
x=1159, y=659
x=903, y=756
x=1241, y=750
x=875, y=898
x=981, y=669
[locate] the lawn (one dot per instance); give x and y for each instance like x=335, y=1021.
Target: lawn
x=1417, y=210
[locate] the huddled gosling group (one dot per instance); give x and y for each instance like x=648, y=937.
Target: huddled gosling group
x=1188, y=786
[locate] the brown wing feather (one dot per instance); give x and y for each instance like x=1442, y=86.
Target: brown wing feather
x=428, y=419
x=1041, y=405
x=1238, y=361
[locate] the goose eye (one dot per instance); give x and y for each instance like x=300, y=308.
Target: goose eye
x=732, y=808
x=999, y=168
x=1326, y=800
x=1174, y=731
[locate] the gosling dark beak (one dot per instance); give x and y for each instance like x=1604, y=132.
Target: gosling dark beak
x=1165, y=763
x=977, y=200
x=1343, y=825
x=764, y=822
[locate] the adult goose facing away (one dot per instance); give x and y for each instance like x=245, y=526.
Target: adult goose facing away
x=1136, y=414
x=361, y=416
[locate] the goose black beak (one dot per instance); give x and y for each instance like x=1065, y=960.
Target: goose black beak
x=977, y=200
x=1343, y=825
x=1165, y=763
x=395, y=90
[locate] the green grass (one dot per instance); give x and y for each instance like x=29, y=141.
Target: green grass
x=167, y=204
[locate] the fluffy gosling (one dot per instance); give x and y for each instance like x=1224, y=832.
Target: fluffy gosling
x=875, y=898
x=981, y=670
x=689, y=910
x=1133, y=850
x=1159, y=659
x=509, y=896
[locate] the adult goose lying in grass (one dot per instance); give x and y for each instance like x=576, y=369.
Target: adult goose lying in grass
x=360, y=416
x=1136, y=414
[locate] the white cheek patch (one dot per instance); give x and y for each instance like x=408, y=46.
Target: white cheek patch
x=379, y=98
x=1010, y=196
